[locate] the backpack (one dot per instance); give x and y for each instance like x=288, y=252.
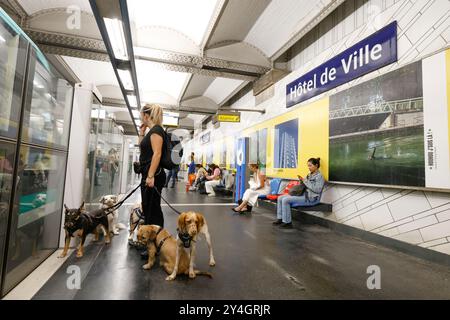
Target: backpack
x=170, y=152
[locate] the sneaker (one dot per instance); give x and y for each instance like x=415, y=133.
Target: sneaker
x=277, y=222
x=211, y=195
x=286, y=225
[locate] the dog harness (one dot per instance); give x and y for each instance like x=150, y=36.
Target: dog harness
x=185, y=238
x=161, y=243
x=138, y=212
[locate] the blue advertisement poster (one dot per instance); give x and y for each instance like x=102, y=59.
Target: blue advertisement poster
x=286, y=144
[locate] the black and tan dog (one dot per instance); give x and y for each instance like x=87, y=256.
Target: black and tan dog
x=79, y=222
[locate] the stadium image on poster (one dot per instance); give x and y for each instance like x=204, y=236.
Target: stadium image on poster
x=286, y=144
x=376, y=130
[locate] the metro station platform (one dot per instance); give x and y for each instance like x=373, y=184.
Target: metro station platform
x=254, y=260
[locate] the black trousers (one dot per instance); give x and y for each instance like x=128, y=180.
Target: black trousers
x=151, y=201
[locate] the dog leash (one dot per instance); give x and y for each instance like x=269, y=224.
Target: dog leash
x=175, y=210
x=121, y=202
x=118, y=204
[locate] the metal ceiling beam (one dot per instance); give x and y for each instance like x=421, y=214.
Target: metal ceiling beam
x=17, y=9
x=94, y=49
x=181, y=59
x=168, y=107
x=69, y=45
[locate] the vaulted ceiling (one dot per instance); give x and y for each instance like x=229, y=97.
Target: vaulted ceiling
x=190, y=55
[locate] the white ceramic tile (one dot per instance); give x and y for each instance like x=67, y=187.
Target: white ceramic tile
x=427, y=20
x=444, y=248
x=437, y=199
x=436, y=231
x=389, y=192
x=410, y=237
x=417, y=224
x=346, y=211
x=376, y=218
x=403, y=45
x=374, y=197
x=433, y=242
x=446, y=35
x=436, y=210
x=409, y=205
x=390, y=232
x=443, y=216
x=355, y=222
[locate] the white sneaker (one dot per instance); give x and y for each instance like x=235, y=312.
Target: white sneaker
x=211, y=195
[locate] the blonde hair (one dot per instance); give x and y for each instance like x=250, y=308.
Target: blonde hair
x=155, y=112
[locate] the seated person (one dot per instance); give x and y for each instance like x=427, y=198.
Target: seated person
x=213, y=180
x=258, y=186
x=314, y=183
x=199, y=177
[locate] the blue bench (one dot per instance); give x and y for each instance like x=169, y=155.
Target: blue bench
x=318, y=206
x=274, y=188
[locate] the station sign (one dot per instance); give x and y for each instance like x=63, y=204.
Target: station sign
x=228, y=117
x=372, y=53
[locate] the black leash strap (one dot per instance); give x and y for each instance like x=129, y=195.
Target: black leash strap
x=118, y=204
x=175, y=210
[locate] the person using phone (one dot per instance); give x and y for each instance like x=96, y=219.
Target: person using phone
x=314, y=183
x=151, y=147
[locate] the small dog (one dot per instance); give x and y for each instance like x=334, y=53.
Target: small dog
x=190, y=225
x=159, y=240
x=114, y=226
x=136, y=219
x=79, y=222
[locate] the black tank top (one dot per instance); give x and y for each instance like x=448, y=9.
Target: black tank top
x=146, y=146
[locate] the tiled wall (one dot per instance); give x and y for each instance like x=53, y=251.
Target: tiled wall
x=420, y=218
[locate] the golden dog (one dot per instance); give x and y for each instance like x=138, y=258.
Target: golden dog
x=190, y=225
x=157, y=238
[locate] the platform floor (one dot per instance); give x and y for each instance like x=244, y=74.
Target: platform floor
x=255, y=260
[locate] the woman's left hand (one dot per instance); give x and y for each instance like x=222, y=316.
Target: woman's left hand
x=150, y=182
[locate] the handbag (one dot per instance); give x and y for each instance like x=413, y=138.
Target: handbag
x=297, y=190
x=139, y=168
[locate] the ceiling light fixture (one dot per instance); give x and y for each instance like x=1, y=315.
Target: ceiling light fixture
x=117, y=38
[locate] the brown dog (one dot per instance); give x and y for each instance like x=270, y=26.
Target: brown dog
x=159, y=239
x=190, y=225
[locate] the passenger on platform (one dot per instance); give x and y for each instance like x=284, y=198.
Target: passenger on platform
x=199, y=177
x=191, y=171
x=313, y=183
x=213, y=180
x=259, y=185
x=153, y=176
